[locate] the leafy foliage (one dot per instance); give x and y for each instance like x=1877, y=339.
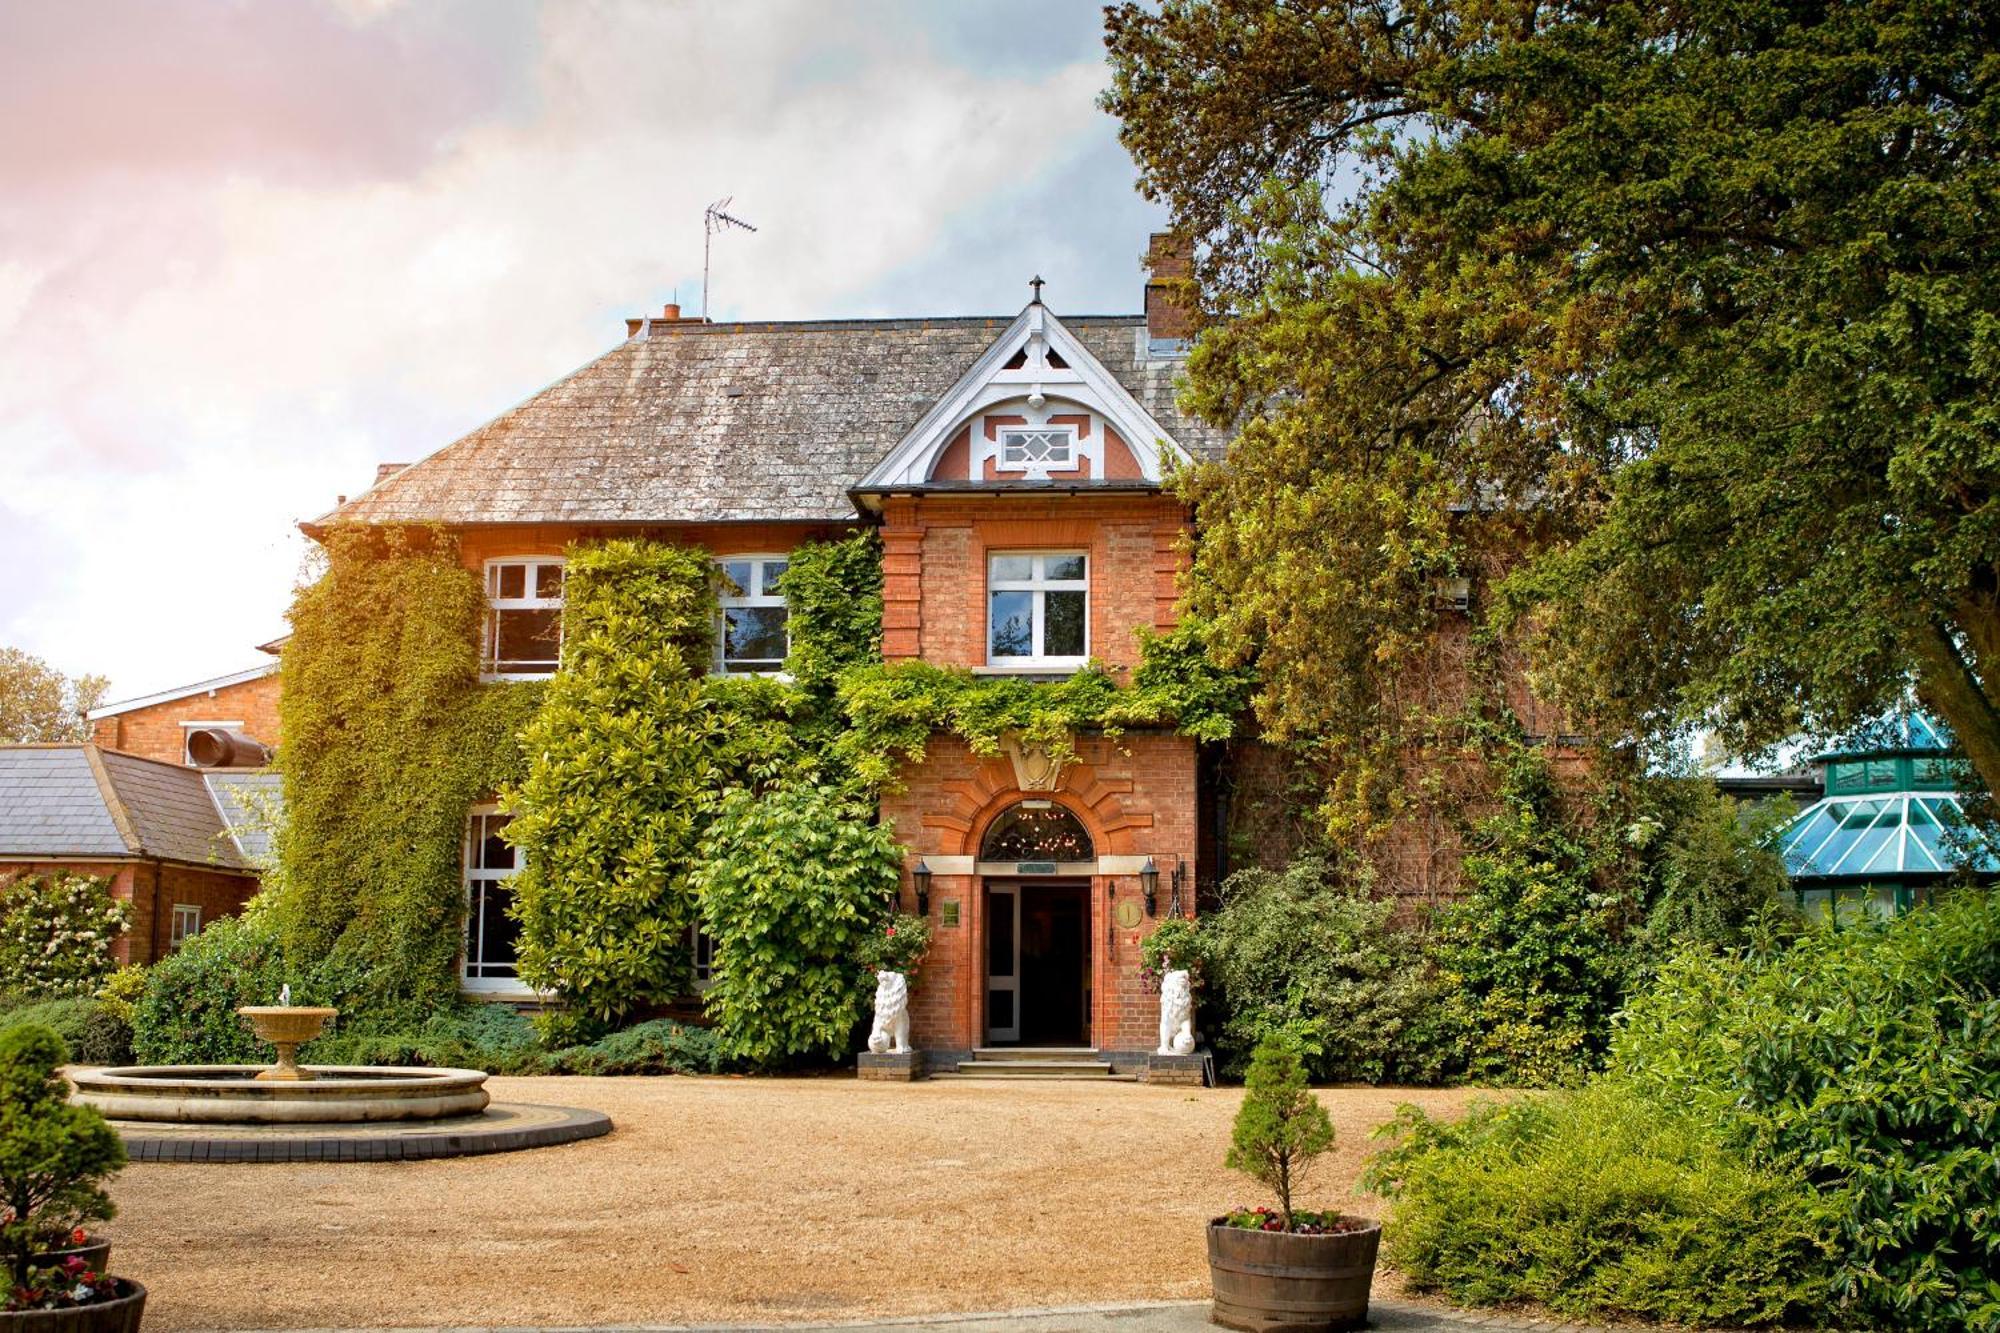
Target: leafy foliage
x=899, y=946
x=794, y=886
x=54, y=1157
x=188, y=1012
x=608, y=818
x=388, y=739
x=892, y=711
x=1713, y=873
x=94, y=1034
x=39, y=705
x=1868, y=1058
x=1280, y=1127
x=1599, y=1204
x=1175, y=945
x=1531, y=954
x=834, y=590
x=1304, y=953
x=1712, y=285
x=660, y=1046
x=57, y=932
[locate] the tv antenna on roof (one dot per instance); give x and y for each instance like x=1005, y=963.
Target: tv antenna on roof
x=713, y=220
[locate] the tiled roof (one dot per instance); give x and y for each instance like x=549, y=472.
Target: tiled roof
x=722, y=422
x=79, y=801
x=50, y=805
x=249, y=804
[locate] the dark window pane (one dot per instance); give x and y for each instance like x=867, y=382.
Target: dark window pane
x=1013, y=566
x=548, y=581
x=529, y=640
x=1062, y=635
x=772, y=568
x=736, y=577
x=498, y=932
x=1064, y=566
x=1013, y=626
x=513, y=578
x=754, y=636
x=1043, y=832
x=495, y=852
x=1000, y=1008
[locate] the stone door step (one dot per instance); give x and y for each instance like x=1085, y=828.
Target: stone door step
x=1034, y=1052
x=973, y=1070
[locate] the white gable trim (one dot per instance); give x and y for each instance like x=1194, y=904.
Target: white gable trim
x=183, y=691
x=1083, y=380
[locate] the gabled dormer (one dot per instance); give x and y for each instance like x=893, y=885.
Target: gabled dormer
x=1036, y=408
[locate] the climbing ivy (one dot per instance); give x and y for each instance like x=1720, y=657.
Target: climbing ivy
x=892, y=710
x=388, y=738
x=834, y=590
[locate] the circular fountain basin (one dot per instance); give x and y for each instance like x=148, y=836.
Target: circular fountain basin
x=233, y=1094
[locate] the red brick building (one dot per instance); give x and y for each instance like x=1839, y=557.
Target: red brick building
x=1014, y=467
x=181, y=846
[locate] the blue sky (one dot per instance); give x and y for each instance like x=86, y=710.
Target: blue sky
x=249, y=250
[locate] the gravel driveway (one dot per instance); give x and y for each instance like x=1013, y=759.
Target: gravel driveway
x=729, y=1200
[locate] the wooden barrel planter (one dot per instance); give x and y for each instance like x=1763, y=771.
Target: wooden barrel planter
x=1279, y=1282
x=119, y=1315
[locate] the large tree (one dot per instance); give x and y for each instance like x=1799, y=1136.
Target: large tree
x=1703, y=292
x=39, y=703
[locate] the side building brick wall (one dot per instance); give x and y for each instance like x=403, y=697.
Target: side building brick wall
x=157, y=731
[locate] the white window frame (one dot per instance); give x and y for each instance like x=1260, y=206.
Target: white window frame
x=728, y=600
x=1040, y=585
x=190, y=727
x=186, y=925
x=1035, y=467
x=468, y=876
x=489, y=648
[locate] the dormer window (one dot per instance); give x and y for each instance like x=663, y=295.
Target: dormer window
x=754, y=636
x=524, y=601
x=1037, y=448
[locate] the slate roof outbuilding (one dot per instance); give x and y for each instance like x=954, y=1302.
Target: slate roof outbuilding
x=731, y=422
x=80, y=802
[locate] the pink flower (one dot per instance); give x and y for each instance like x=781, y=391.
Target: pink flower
x=892, y=930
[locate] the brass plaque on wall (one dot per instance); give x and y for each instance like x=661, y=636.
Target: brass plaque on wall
x=948, y=913
x=1128, y=914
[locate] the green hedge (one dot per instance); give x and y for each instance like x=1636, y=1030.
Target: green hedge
x=188, y=1012
x=94, y=1034
x=1599, y=1204
x=1870, y=1057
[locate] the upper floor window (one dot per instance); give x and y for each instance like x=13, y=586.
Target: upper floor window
x=490, y=933
x=524, y=601
x=1037, y=447
x=1038, y=609
x=754, y=635
x=186, y=925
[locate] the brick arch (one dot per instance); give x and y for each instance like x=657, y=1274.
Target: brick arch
x=974, y=803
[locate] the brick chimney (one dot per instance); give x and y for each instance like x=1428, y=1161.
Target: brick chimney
x=384, y=471
x=1169, y=266
x=670, y=315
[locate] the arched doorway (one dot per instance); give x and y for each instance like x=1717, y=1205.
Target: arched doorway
x=1035, y=858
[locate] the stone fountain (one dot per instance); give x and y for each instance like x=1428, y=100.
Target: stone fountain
x=292, y=1112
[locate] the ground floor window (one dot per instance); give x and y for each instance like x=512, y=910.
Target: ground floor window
x=703, y=945
x=186, y=924
x=490, y=933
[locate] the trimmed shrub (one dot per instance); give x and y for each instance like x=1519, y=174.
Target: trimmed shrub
x=1599, y=1204
x=1868, y=1056
x=492, y=1037
x=660, y=1046
x=94, y=1034
x=188, y=1013
x=794, y=886
x=1299, y=953
x=54, y=1156
x=57, y=932
x=1713, y=872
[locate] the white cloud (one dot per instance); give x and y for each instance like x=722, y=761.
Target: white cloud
x=195, y=357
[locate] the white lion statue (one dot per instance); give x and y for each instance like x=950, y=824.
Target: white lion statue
x=891, y=1033
x=1176, y=1013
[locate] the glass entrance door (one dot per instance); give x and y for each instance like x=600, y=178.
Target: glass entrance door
x=1003, y=962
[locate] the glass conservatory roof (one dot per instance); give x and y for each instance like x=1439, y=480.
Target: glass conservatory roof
x=1894, y=833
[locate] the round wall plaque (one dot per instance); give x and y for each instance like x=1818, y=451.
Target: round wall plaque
x=1128, y=914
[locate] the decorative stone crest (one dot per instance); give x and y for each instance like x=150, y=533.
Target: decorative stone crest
x=891, y=1033
x=1176, y=1014
x=1034, y=768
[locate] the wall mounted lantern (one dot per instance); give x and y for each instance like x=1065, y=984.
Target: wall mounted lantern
x=920, y=875
x=1149, y=885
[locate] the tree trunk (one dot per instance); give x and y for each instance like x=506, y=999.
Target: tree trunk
x=1948, y=685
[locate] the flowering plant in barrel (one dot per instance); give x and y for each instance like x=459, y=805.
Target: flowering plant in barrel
x=1291, y=1268
x=54, y=1159
x=898, y=946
